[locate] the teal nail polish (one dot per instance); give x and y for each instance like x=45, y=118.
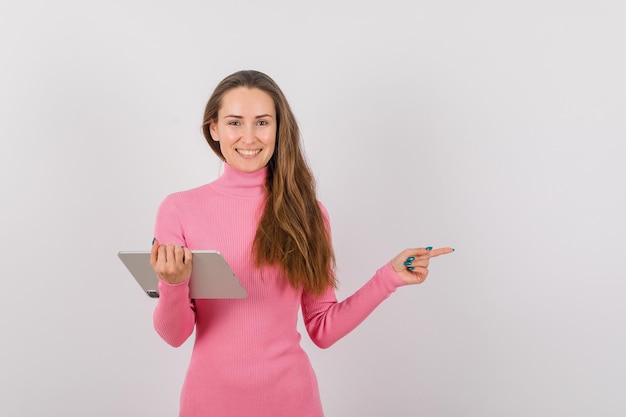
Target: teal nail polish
x=410, y=258
x=410, y=268
x=153, y=239
x=407, y=262
x=429, y=248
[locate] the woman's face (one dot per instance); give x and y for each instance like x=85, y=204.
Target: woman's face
x=246, y=128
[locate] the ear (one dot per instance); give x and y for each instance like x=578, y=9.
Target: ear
x=213, y=131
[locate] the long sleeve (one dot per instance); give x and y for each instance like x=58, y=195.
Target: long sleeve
x=327, y=320
x=174, y=315
x=248, y=348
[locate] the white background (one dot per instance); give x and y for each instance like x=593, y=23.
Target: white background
x=497, y=128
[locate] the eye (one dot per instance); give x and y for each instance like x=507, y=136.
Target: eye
x=234, y=123
x=262, y=123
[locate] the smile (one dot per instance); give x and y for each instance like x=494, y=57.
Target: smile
x=248, y=152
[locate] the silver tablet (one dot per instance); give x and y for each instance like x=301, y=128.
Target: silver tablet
x=211, y=276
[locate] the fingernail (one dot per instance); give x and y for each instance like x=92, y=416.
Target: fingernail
x=153, y=239
x=429, y=248
x=410, y=258
x=407, y=262
x=410, y=268
x=452, y=249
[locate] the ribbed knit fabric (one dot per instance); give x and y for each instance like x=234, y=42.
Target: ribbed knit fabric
x=247, y=360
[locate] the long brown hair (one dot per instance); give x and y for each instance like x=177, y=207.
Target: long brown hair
x=292, y=232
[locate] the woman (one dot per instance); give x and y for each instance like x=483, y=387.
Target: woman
x=262, y=214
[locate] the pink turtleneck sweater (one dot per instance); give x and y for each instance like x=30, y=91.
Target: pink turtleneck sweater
x=247, y=360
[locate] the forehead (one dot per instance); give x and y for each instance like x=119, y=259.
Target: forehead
x=244, y=101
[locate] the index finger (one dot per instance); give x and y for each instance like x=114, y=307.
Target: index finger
x=430, y=252
x=439, y=251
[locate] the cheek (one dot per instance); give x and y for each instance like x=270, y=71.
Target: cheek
x=270, y=140
x=226, y=137
x=272, y=147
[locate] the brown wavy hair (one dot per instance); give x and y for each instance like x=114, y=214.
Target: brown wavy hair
x=292, y=232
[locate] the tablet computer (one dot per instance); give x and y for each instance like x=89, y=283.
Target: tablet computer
x=211, y=276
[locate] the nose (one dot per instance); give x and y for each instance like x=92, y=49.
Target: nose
x=248, y=134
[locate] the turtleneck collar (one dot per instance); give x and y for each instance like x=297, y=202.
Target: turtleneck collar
x=241, y=184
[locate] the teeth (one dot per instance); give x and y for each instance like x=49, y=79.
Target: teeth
x=248, y=153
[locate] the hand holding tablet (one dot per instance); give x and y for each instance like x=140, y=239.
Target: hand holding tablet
x=211, y=276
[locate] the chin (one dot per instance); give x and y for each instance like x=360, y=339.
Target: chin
x=247, y=168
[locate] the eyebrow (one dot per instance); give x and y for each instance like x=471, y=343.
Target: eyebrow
x=241, y=117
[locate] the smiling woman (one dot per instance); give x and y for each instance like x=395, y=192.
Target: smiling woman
x=263, y=215
x=245, y=128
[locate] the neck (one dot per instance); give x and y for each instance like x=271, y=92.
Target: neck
x=240, y=183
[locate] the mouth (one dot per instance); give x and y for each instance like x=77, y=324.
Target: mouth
x=248, y=152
